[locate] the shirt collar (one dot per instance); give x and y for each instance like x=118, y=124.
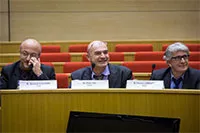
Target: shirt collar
x=106, y=72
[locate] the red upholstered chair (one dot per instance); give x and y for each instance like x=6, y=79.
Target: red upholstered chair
x=133, y=47
x=50, y=48
x=55, y=57
x=78, y=48
x=114, y=56
x=149, y=56
x=194, y=56
x=144, y=66
x=192, y=47
x=195, y=64
x=62, y=80
x=48, y=64
x=69, y=67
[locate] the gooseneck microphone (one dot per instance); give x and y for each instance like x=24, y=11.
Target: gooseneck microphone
x=153, y=67
x=93, y=65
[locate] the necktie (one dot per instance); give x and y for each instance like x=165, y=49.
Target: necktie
x=100, y=77
x=177, y=82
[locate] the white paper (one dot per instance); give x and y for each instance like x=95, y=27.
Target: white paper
x=89, y=84
x=37, y=84
x=145, y=84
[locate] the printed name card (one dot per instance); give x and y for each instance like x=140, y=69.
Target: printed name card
x=145, y=84
x=89, y=84
x=37, y=84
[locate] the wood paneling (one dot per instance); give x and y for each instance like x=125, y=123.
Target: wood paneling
x=4, y=33
x=105, y=25
x=104, y=19
x=3, y=6
x=48, y=111
x=103, y=5
x=4, y=20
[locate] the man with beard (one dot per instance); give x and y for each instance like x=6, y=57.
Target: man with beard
x=178, y=74
x=100, y=69
x=27, y=68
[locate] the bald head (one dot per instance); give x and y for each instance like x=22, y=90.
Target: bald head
x=31, y=44
x=96, y=44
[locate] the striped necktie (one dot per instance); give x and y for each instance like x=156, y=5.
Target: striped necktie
x=177, y=82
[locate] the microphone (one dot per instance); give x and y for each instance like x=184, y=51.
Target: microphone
x=153, y=67
x=93, y=65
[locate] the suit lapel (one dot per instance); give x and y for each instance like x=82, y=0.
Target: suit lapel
x=167, y=79
x=186, y=79
x=113, y=76
x=87, y=74
x=15, y=77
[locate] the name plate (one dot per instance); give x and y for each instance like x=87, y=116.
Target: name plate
x=89, y=84
x=145, y=84
x=37, y=84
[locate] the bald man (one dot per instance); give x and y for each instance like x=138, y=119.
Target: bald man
x=27, y=68
x=100, y=69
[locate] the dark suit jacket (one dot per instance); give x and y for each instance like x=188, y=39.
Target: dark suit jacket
x=191, y=77
x=11, y=74
x=117, y=79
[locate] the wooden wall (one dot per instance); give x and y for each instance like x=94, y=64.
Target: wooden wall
x=4, y=20
x=63, y=20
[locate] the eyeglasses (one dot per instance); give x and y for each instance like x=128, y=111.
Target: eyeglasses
x=26, y=54
x=179, y=58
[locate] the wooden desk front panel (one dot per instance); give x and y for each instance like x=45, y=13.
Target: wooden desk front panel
x=48, y=111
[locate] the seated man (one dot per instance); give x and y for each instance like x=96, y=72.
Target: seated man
x=178, y=74
x=97, y=54
x=27, y=68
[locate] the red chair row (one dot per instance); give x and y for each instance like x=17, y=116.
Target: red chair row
x=55, y=57
x=114, y=56
x=51, y=48
x=158, y=56
x=130, y=47
x=118, y=47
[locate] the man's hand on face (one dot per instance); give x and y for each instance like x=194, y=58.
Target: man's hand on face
x=35, y=62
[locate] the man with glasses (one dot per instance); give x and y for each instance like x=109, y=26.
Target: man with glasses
x=27, y=68
x=178, y=74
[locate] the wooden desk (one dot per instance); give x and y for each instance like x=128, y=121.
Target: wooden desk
x=48, y=111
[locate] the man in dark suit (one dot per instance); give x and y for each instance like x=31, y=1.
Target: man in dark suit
x=178, y=74
x=100, y=69
x=28, y=68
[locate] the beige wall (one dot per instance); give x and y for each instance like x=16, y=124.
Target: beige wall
x=4, y=20
x=51, y=20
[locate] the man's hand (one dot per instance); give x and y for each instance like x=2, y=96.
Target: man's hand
x=36, y=65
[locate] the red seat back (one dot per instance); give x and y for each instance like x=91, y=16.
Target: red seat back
x=50, y=48
x=62, y=80
x=55, y=57
x=149, y=56
x=114, y=56
x=48, y=64
x=133, y=47
x=78, y=48
x=195, y=64
x=194, y=56
x=69, y=67
x=144, y=66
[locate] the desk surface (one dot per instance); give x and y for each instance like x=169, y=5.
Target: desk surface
x=48, y=111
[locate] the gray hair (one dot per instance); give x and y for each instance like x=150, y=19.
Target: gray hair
x=95, y=43
x=175, y=47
